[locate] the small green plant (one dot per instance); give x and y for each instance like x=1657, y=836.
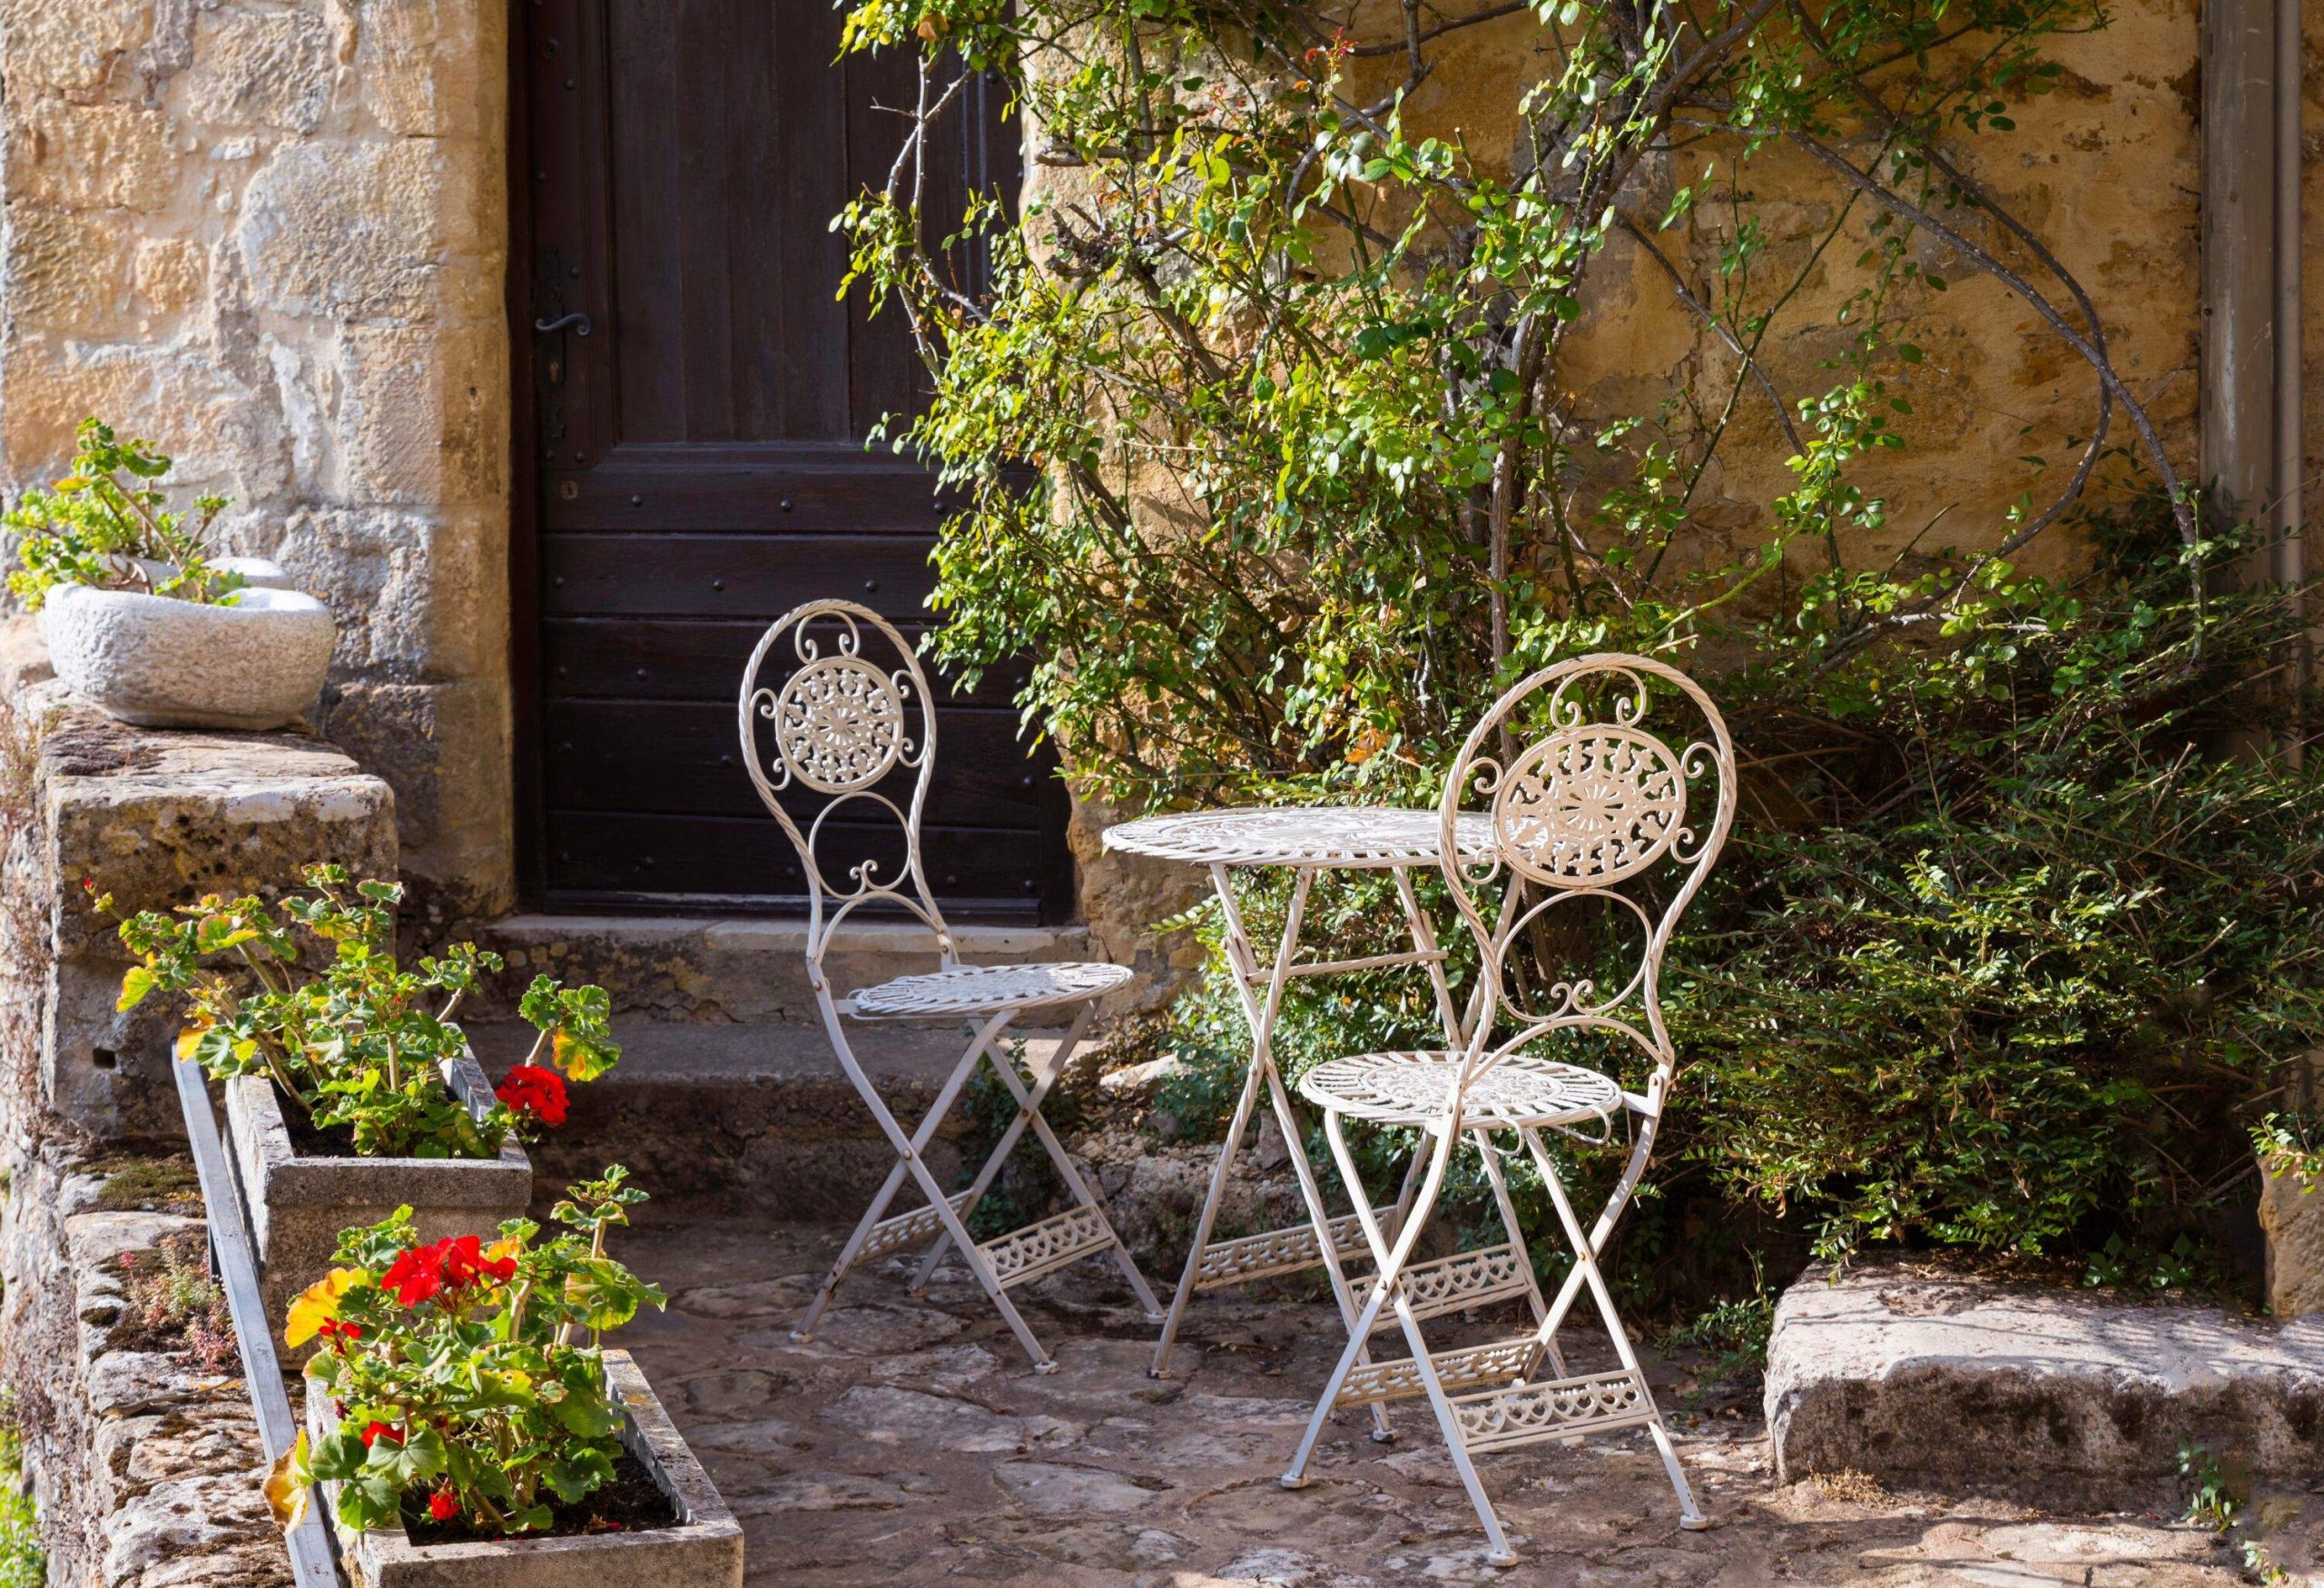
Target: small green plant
x=23, y=1563
x=174, y=1303
x=1733, y=1336
x=103, y=524
x=2292, y=1145
x=2212, y=1492
x=468, y=1379
x=363, y=1043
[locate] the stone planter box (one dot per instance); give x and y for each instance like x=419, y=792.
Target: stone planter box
x=703, y=1550
x=298, y=1205
x=162, y=663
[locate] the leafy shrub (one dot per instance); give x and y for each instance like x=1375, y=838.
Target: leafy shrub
x=101, y=523
x=468, y=1378
x=362, y=1044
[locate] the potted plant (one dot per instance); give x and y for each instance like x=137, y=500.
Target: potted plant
x=350, y=1089
x=467, y=1426
x=141, y=619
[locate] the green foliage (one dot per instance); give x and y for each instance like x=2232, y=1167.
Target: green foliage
x=2291, y=1144
x=454, y=1370
x=2004, y=952
x=2036, y=997
x=99, y=524
x=24, y=1563
x=362, y=1043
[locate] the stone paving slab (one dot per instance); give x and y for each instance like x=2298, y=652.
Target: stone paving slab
x=909, y=1443
x=1924, y=1374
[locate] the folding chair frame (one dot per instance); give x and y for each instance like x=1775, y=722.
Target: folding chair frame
x=840, y=728
x=1551, y=833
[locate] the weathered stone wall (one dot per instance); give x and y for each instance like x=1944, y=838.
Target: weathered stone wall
x=145, y=1466
x=270, y=234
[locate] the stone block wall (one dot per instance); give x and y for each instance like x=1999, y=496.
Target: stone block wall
x=270, y=234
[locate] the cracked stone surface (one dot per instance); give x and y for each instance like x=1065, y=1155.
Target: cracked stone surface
x=909, y=1442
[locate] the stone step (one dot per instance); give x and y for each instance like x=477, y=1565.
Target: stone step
x=739, y=969
x=1560, y=1408
x=750, y=1118
x=1930, y=1377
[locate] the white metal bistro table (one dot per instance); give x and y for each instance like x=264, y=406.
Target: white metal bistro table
x=1309, y=841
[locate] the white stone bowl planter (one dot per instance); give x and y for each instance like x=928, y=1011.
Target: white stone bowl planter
x=162, y=663
x=703, y=1549
x=298, y=1205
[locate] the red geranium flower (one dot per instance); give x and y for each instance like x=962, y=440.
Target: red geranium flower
x=375, y=1432
x=417, y=1275
x=531, y=1090
x=443, y=1505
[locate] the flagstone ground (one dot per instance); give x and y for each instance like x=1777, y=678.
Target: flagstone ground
x=909, y=1443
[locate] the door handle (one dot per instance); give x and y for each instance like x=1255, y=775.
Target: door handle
x=577, y=321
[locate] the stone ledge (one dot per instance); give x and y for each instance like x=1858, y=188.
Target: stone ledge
x=155, y=817
x=1923, y=1378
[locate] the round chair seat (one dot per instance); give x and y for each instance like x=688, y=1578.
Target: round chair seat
x=1415, y=1088
x=986, y=989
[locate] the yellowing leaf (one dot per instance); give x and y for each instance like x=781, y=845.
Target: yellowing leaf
x=317, y=1304
x=581, y=1058
x=289, y=1484
x=507, y=1246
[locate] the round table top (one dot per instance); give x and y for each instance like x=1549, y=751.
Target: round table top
x=1327, y=837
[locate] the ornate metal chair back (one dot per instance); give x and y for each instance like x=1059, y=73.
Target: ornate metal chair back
x=839, y=733
x=1592, y=808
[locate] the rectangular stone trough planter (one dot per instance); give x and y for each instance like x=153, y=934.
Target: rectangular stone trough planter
x=703, y=1550
x=298, y=1205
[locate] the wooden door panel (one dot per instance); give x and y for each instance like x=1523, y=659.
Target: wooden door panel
x=699, y=403
x=746, y=862
x=700, y=659
x=684, y=758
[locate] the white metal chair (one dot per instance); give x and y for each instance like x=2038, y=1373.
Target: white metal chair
x=834, y=738
x=1593, y=808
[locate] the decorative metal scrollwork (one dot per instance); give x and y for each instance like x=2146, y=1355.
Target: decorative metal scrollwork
x=839, y=725
x=1589, y=805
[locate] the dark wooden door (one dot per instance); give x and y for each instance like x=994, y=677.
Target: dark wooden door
x=698, y=409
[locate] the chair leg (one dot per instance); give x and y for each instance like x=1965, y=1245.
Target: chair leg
x=1508, y=1205
x=1588, y=1274
x=1498, y=1552
x=1027, y=1108
x=908, y=1151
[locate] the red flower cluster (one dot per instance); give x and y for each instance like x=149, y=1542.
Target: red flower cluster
x=340, y=1336
x=531, y=1090
x=375, y=1432
x=443, y=1269
x=443, y=1505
